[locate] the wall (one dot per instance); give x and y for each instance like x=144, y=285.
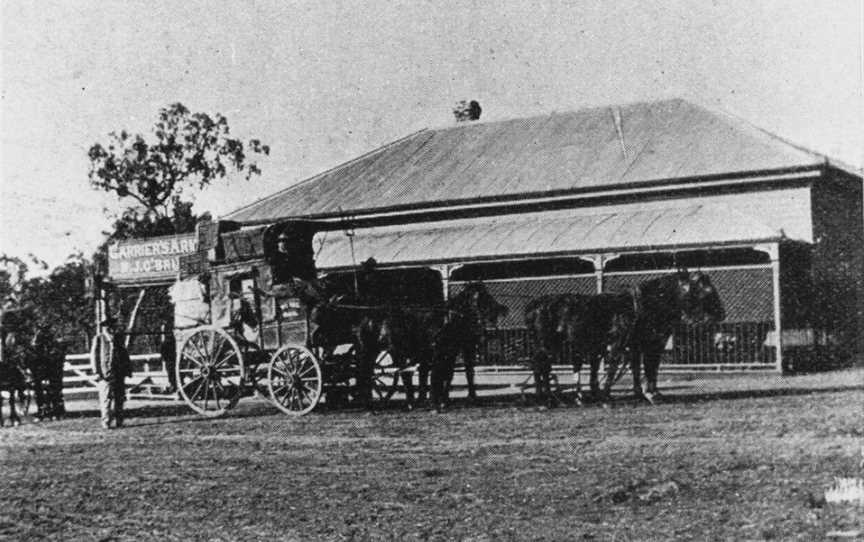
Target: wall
x=838, y=257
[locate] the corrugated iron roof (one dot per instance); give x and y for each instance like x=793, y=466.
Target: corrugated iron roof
x=573, y=231
x=580, y=150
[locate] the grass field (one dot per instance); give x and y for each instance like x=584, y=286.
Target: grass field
x=737, y=458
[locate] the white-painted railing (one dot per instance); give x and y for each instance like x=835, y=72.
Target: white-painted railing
x=79, y=379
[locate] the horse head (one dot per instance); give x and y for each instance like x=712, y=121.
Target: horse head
x=476, y=301
x=699, y=299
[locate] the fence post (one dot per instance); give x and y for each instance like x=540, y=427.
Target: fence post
x=773, y=251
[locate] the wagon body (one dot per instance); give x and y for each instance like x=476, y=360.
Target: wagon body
x=257, y=335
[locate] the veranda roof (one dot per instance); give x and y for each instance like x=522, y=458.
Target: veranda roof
x=572, y=231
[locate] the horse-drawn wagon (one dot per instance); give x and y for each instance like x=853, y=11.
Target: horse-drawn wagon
x=254, y=331
x=274, y=327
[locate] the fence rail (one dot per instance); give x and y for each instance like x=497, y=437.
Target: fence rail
x=506, y=351
x=79, y=378
x=744, y=346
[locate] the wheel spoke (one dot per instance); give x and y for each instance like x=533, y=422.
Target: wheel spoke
x=196, y=360
x=198, y=389
x=222, y=361
x=279, y=371
x=312, y=391
x=195, y=345
x=218, y=351
x=209, y=344
x=285, y=399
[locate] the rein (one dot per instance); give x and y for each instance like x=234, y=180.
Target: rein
x=636, y=298
x=418, y=308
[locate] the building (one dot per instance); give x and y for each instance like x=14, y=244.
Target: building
x=602, y=198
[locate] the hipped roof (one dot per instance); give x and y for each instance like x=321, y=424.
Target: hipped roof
x=598, y=148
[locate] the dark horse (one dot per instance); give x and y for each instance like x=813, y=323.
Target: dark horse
x=634, y=324
x=32, y=354
x=371, y=325
x=45, y=360
x=467, y=315
x=14, y=382
x=13, y=378
x=583, y=322
x=660, y=305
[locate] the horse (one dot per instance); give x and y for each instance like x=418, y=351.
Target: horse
x=398, y=331
x=44, y=359
x=32, y=346
x=13, y=378
x=370, y=324
x=659, y=306
x=13, y=381
x=467, y=315
x=582, y=321
x=630, y=324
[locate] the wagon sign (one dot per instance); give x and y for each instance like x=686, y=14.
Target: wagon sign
x=149, y=259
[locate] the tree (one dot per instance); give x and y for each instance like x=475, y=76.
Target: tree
x=59, y=301
x=13, y=271
x=188, y=150
x=63, y=302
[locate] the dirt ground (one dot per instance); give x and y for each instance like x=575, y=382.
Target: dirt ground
x=738, y=458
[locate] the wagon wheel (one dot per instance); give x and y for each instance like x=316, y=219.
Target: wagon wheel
x=210, y=371
x=294, y=380
x=385, y=377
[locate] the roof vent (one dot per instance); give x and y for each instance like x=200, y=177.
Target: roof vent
x=467, y=111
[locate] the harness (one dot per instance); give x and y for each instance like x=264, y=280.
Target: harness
x=621, y=369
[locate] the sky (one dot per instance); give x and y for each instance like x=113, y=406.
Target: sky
x=323, y=82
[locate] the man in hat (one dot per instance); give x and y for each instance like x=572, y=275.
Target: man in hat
x=112, y=366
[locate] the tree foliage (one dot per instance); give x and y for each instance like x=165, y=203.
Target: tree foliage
x=58, y=302
x=13, y=273
x=187, y=151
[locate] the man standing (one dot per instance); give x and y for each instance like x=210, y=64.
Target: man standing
x=112, y=366
x=168, y=352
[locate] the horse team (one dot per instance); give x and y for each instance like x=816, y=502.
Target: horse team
x=428, y=337
x=629, y=328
